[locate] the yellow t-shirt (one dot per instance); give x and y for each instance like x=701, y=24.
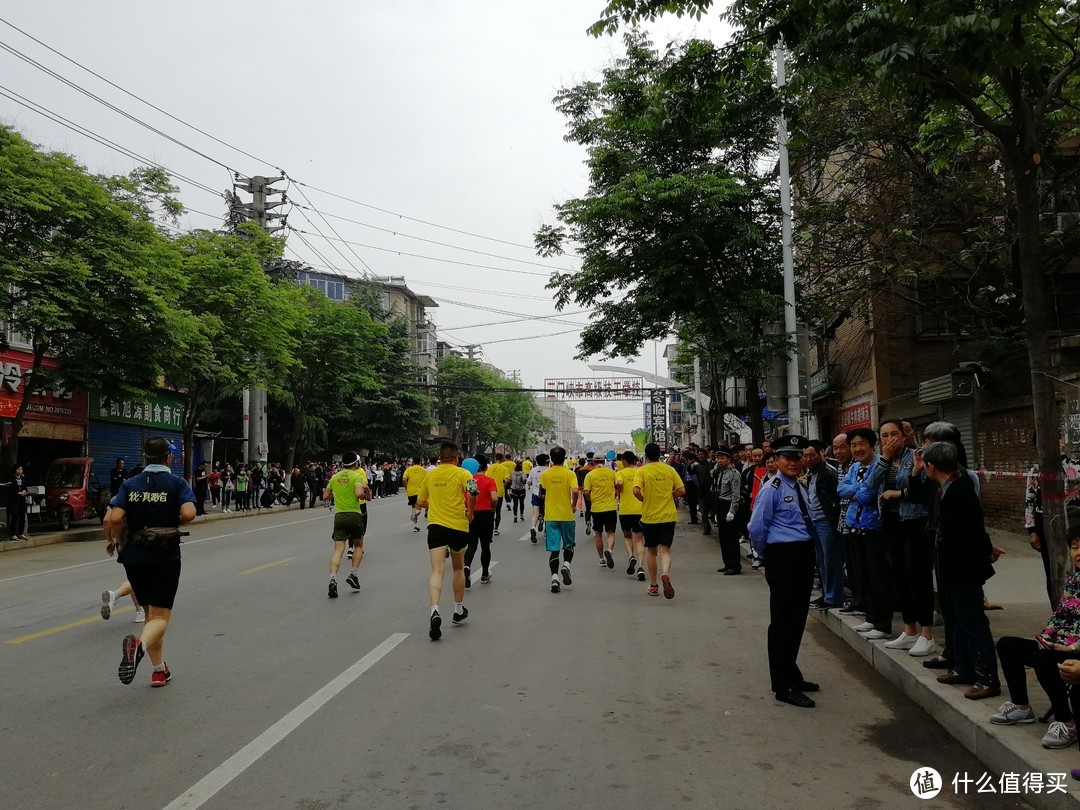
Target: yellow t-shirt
x=600, y=484
x=526, y=466
x=444, y=490
x=557, y=483
x=497, y=472
x=658, y=481
x=628, y=504
x=510, y=466
x=415, y=476
x=343, y=486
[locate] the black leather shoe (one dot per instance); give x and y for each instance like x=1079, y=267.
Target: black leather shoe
x=795, y=698
x=809, y=686
x=732, y=572
x=723, y=570
x=937, y=663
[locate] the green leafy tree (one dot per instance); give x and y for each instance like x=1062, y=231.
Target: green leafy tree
x=338, y=350
x=680, y=221
x=82, y=272
x=466, y=402
x=240, y=329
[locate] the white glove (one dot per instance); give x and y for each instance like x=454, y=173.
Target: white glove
x=730, y=517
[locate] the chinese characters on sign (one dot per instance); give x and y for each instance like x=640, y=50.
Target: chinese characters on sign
x=586, y=388
x=658, y=417
x=855, y=415
x=160, y=411
x=46, y=405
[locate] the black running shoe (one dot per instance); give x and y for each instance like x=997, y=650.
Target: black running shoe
x=641, y=574
x=555, y=588
x=132, y=651
x=631, y=566
x=435, y=627
x=532, y=535
x=353, y=582
x=332, y=593
x=468, y=579
x=566, y=574
x=610, y=560
x=460, y=617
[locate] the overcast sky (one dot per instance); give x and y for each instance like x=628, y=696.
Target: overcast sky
x=439, y=110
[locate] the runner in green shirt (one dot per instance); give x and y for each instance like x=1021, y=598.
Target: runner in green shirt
x=349, y=489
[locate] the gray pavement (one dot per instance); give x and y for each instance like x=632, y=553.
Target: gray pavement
x=600, y=696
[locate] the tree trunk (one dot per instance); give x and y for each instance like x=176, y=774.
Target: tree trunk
x=1044, y=403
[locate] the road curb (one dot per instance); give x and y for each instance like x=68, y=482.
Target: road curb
x=94, y=532
x=1002, y=749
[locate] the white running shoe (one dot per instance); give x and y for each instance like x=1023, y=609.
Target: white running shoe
x=924, y=646
x=864, y=627
x=875, y=635
x=903, y=642
x=140, y=615
x=108, y=603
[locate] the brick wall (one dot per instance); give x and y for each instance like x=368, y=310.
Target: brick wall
x=1003, y=444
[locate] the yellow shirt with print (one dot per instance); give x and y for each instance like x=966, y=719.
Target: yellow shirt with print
x=600, y=484
x=414, y=479
x=557, y=483
x=628, y=504
x=658, y=481
x=526, y=466
x=511, y=467
x=444, y=490
x=497, y=472
x=343, y=486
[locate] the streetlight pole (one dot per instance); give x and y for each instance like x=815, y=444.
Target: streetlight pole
x=790, y=325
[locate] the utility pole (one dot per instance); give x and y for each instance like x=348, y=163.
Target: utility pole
x=472, y=352
x=794, y=396
x=259, y=211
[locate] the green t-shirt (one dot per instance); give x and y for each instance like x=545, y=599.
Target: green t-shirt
x=343, y=485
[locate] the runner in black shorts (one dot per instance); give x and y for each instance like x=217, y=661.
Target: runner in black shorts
x=630, y=516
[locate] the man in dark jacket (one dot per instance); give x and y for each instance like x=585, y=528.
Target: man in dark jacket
x=824, y=507
x=701, y=473
x=964, y=553
x=692, y=495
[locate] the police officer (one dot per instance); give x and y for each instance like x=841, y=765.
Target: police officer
x=780, y=530
x=150, y=506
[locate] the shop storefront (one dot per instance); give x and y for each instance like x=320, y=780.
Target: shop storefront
x=54, y=422
x=119, y=427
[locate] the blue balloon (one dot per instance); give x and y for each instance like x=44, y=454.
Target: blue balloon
x=472, y=465
x=610, y=455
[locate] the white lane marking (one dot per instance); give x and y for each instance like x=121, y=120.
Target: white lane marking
x=207, y=787
x=188, y=543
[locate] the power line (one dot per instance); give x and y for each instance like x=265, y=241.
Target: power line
x=433, y=241
x=328, y=239
x=367, y=268
x=133, y=95
x=45, y=112
x=429, y=258
x=532, y=337
x=521, y=315
x=516, y=320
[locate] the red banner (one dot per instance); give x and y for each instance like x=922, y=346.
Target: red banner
x=45, y=406
x=854, y=416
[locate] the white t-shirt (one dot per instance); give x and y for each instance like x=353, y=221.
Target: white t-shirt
x=534, y=479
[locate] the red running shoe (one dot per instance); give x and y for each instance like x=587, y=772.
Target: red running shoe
x=133, y=653
x=669, y=592
x=161, y=678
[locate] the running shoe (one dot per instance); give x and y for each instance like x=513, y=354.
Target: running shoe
x=669, y=592
x=468, y=579
x=416, y=528
x=140, y=615
x=532, y=535
x=603, y=563
x=353, y=582
x=332, y=593
x=161, y=678
x=609, y=559
x=485, y=580
x=496, y=532
x=641, y=574
x=515, y=520
x=108, y=603
x=566, y=574
x=588, y=529
x=460, y=617
x=1010, y=714
x=1059, y=736
x=435, y=627
x=631, y=566
x=654, y=591
x=555, y=588
x=132, y=650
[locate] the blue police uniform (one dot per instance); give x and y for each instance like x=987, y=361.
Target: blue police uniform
x=780, y=530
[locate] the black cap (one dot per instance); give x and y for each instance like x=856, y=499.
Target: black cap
x=790, y=445
x=723, y=451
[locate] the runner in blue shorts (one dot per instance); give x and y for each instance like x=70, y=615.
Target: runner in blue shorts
x=559, y=493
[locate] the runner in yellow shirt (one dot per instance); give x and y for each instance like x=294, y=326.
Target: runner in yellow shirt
x=599, y=491
x=657, y=486
x=526, y=466
x=497, y=472
x=558, y=496
x=414, y=479
x=630, y=515
x=449, y=495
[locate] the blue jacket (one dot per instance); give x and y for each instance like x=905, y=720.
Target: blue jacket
x=909, y=509
x=862, y=511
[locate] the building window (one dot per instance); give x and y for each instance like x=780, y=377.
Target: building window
x=937, y=314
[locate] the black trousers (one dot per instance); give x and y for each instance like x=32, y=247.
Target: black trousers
x=483, y=524
x=729, y=537
x=789, y=570
x=913, y=570
x=973, y=652
x=498, y=511
x=692, y=500
x=1016, y=654
x=875, y=577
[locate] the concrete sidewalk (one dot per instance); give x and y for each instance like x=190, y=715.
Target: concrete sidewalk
x=49, y=534
x=1019, y=588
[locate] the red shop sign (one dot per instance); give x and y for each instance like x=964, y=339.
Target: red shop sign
x=45, y=406
x=854, y=416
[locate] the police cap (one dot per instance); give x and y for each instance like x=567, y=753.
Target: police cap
x=790, y=445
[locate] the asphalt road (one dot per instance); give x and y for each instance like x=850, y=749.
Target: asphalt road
x=597, y=697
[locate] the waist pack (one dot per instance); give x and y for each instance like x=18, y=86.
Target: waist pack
x=157, y=539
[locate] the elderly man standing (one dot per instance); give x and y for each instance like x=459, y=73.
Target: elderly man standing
x=781, y=530
x=824, y=506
